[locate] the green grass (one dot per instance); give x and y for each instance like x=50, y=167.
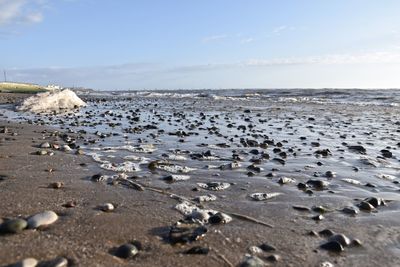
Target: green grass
x=25, y=88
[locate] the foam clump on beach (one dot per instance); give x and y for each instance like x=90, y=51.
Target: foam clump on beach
x=52, y=101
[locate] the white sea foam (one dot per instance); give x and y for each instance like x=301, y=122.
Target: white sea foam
x=51, y=101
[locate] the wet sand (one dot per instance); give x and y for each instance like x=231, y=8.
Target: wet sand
x=87, y=236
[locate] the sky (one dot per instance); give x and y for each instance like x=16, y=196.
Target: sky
x=189, y=44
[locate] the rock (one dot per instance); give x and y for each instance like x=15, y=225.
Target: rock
x=126, y=251
x=252, y=261
x=66, y=148
x=263, y=196
x=175, y=178
x=330, y=174
x=230, y=166
x=13, y=226
x=386, y=153
x=358, y=149
x=198, y=250
x=326, y=264
x=106, y=207
x=318, y=184
x=376, y=202
x=219, y=218
x=42, y=219
x=266, y=247
x=254, y=250
x=366, y=206
x=214, y=186
x=318, y=217
x=319, y=209
x=41, y=152
x=333, y=246
x=340, y=238
x=356, y=243
x=326, y=232
x=350, y=210
x=286, y=180
x=45, y=145
x=205, y=198
x=28, y=262
x=56, y=185
x=57, y=262
x=273, y=258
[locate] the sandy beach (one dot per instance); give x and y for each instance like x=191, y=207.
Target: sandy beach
x=288, y=229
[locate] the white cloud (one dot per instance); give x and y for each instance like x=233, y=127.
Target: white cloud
x=337, y=59
x=14, y=12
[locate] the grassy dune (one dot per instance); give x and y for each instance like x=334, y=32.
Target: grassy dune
x=10, y=87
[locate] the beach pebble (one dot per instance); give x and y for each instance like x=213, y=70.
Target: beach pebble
x=254, y=250
x=28, y=262
x=107, y=207
x=273, y=258
x=333, y=246
x=263, y=196
x=126, y=251
x=42, y=219
x=13, y=226
x=286, y=180
x=56, y=185
x=45, y=145
x=326, y=264
x=252, y=261
x=266, y=247
x=205, y=198
x=175, y=178
x=366, y=206
x=214, y=186
x=340, y=238
x=350, y=210
x=41, y=152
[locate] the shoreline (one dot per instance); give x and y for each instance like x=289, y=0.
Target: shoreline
x=87, y=236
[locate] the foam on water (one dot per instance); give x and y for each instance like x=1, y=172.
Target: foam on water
x=51, y=101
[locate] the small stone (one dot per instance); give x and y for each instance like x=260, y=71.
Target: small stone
x=107, y=207
x=374, y=201
x=198, y=250
x=13, y=226
x=333, y=246
x=42, y=152
x=57, y=262
x=70, y=204
x=266, y=247
x=326, y=232
x=318, y=218
x=42, y=219
x=286, y=180
x=350, y=210
x=45, y=145
x=326, y=264
x=254, y=250
x=126, y=251
x=330, y=174
x=56, y=185
x=319, y=209
x=66, y=148
x=28, y=262
x=366, y=206
x=356, y=243
x=340, y=238
x=273, y=258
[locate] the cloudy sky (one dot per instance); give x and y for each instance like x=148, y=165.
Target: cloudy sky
x=172, y=44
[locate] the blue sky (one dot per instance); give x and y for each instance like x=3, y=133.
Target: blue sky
x=172, y=44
